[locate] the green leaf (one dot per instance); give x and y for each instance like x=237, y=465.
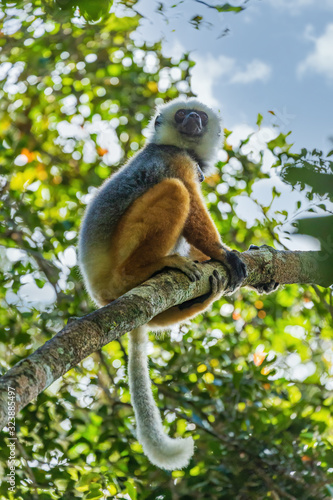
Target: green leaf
x=259, y=119
x=131, y=490
x=228, y=8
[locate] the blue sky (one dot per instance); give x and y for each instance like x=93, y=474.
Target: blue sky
x=277, y=56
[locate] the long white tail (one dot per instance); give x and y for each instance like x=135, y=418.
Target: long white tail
x=162, y=451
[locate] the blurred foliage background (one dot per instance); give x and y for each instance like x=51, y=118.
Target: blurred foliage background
x=251, y=380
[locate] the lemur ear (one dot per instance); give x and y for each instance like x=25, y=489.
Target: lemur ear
x=158, y=121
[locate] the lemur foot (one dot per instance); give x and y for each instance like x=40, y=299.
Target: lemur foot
x=216, y=283
x=269, y=287
x=216, y=287
x=237, y=270
x=188, y=267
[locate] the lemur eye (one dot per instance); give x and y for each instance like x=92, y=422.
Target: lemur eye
x=158, y=121
x=204, y=117
x=180, y=115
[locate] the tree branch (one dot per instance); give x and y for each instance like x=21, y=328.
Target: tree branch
x=90, y=333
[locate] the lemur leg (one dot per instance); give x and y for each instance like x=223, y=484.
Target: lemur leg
x=201, y=232
x=144, y=238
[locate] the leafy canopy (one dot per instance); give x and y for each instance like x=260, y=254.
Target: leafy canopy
x=251, y=380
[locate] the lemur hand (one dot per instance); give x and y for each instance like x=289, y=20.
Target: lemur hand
x=269, y=287
x=236, y=268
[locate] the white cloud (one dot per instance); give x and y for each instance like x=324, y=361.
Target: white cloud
x=320, y=60
x=257, y=144
x=226, y=68
x=254, y=71
x=212, y=69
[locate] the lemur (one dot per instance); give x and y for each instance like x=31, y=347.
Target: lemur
x=148, y=216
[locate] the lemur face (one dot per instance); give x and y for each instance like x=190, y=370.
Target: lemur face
x=190, y=122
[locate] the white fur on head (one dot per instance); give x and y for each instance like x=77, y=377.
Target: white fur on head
x=204, y=146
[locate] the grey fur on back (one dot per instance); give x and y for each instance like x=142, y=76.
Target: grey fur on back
x=149, y=167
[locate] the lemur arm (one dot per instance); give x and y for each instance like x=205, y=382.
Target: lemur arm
x=199, y=229
x=201, y=232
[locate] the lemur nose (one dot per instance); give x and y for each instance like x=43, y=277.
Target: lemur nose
x=194, y=115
